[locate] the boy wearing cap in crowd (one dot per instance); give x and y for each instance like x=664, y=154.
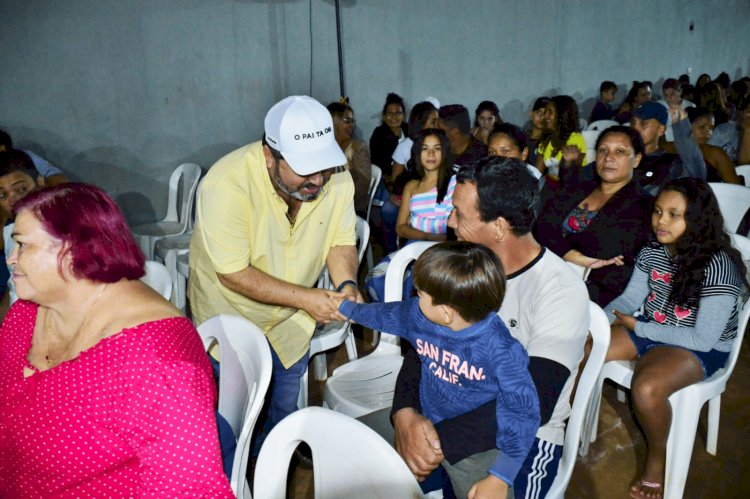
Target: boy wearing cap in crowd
x=270, y=216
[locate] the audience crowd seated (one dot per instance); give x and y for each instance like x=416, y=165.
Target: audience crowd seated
x=272, y=215
x=509, y=141
x=106, y=390
x=603, y=109
x=18, y=178
x=466, y=149
x=536, y=126
x=389, y=133
x=640, y=93
x=356, y=152
x=486, y=116
x=390, y=192
x=562, y=129
x=719, y=165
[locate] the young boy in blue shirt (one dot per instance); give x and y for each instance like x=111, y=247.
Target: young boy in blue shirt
x=468, y=356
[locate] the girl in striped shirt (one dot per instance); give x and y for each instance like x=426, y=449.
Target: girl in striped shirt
x=427, y=200
x=678, y=315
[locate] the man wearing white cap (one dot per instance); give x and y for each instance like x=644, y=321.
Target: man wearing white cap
x=270, y=216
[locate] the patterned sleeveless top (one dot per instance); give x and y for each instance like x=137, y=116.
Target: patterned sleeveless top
x=427, y=215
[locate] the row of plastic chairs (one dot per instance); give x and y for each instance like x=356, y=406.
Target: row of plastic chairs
x=341, y=468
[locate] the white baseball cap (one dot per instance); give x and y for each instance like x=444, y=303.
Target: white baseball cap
x=301, y=129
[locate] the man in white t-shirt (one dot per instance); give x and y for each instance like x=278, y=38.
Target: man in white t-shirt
x=545, y=308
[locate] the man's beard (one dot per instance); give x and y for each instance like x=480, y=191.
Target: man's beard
x=294, y=193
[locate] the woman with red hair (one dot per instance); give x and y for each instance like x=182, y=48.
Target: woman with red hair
x=105, y=389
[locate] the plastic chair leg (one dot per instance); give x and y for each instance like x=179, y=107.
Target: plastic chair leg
x=180, y=294
x=680, y=443
x=370, y=261
x=714, y=413
x=621, y=395
x=375, y=338
x=147, y=246
x=351, y=346
x=588, y=433
x=320, y=367
x=302, y=398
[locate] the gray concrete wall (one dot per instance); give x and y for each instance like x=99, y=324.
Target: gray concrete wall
x=119, y=92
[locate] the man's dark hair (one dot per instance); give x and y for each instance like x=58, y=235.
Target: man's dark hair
x=14, y=160
x=505, y=188
x=5, y=140
x=466, y=276
x=456, y=116
x=671, y=83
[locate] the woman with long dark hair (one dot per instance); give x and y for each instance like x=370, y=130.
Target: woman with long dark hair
x=684, y=294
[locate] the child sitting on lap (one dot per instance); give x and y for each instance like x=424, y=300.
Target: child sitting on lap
x=468, y=356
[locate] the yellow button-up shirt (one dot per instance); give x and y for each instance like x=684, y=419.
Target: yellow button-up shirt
x=241, y=222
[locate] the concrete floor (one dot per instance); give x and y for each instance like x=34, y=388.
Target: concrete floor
x=618, y=453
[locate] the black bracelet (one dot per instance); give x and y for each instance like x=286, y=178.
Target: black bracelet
x=346, y=283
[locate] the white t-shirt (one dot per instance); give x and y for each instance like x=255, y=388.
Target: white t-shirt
x=402, y=153
x=546, y=308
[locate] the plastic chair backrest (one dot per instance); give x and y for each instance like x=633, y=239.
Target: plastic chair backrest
x=601, y=124
x=349, y=459
x=600, y=333
x=394, y=286
x=742, y=244
x=377, y=174
x=590, y=137
x=189, y=173
x=744, y=172
x=158, y=278
x=245, y=360
x=734, y=201
x=362, y=229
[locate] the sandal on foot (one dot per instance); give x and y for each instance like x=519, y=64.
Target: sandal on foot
x=635, y=490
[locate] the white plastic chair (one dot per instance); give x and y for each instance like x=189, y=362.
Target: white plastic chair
x=168, y=248
x=177, y=219
x=744, y=171
x=335, y=333
x=734, y=201
x=157, y=277
x=600, y=334
x=349, y=459
x=601, y=125
x=377, y=175
x=590, y=137
x=686, y=403
x=367, y=384
x=245, y=360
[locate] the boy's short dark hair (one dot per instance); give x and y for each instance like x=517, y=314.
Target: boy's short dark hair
x=607, y=85
x=465, y=276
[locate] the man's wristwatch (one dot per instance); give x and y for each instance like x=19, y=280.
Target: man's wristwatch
x=346, y=283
